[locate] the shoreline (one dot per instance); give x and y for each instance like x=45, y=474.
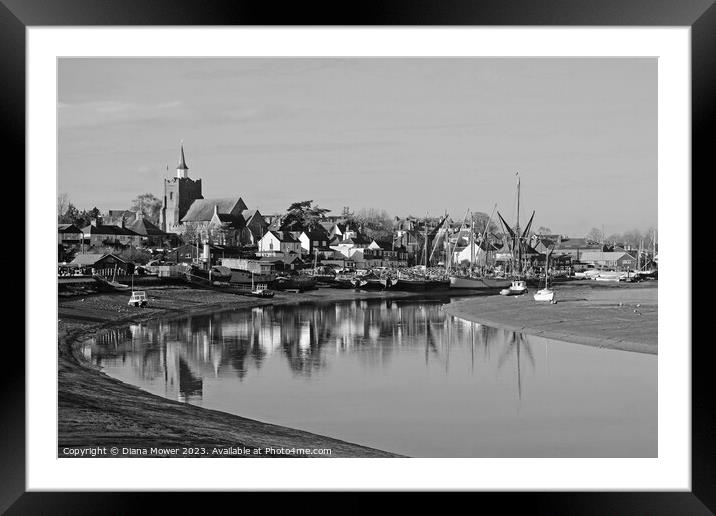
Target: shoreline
x=96, y=410
x=619, y=317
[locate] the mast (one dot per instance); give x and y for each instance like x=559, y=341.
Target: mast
x=472, y=242
x=426, y=244
x=638, y=256
x=517, y=231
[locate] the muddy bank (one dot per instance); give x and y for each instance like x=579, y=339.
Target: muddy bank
x=616, y=316
x=96, y=410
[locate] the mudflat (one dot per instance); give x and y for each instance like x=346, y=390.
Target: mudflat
x=611, y=315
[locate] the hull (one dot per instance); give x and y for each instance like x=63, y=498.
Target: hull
x=407, y=284
x=478, y=283
x=544, y=295
x=244, y=277
x=295, y=283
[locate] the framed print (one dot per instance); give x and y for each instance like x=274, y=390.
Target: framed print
x=428, y=242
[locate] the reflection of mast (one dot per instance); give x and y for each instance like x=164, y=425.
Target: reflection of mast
x=519, y=375
x=472, y=346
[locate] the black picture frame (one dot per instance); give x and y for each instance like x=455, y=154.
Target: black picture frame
x=700, y=15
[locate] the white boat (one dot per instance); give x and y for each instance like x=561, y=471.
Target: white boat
x=517, y=288
x=545, y=294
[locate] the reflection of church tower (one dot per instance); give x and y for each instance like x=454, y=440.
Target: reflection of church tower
x=179, y=192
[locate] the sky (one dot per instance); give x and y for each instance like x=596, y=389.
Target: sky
x=407, y=135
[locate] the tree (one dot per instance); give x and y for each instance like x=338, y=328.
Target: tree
x=302, y=215
x=594, y=234
x=481, y=219
x=149, y=205
x=63, y=202
x=375, y=223
x=70, y=215
x=542, y=230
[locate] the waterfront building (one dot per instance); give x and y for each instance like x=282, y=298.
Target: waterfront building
x=102, y=264
x=612, y=259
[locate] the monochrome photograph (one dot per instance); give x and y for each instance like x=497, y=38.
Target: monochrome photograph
x=363, y=257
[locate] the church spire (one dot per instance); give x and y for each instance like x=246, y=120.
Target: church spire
x=182, y=168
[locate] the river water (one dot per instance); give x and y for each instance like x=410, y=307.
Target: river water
x=401, y=376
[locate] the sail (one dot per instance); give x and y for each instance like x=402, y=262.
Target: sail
x=529, y=224
x=506, y=225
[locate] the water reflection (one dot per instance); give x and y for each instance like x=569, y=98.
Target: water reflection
x=398, y=375
x=183, y=351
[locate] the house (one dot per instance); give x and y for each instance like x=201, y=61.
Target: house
x=385, y=254
x=612, y=259
x=313, y=240
x=102, y=264
x=150, y=232
x=256, y=224
x=217, y=221
x=352, y=241
x=192, y=253
x=69, y=234
x=98, y=234
x=278, y=242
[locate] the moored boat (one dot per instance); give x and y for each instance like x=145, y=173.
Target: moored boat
x=517, y=288
x=476, y=282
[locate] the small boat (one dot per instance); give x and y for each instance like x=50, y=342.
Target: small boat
x=517, y=288
x=261, y=290
x=545, y=294
x=138, y=298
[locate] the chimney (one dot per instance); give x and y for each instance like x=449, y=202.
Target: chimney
x=123, y=222
x=139, y=215
x=216, y=210
x=96, y=221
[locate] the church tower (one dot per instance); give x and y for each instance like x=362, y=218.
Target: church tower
x=179, y=192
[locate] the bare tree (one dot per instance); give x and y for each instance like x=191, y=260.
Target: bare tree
x=63, y=202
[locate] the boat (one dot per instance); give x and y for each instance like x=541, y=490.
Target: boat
x=261, y=290
x=473, y=280
x=545, y=294
x=215, y=273
x=478, y=282
x=517, y=288
x=241, y=276
x=299, y=283
x=519, y=283
x=138, y=298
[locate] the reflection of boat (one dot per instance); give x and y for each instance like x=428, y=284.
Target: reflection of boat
x=517, y=288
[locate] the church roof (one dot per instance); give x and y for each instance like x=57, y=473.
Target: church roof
x=182, y=164
x=202, y=210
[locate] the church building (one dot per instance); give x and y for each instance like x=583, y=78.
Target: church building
x=179, y=193
x=224, y=221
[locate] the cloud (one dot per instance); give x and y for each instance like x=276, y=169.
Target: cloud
x=109, y=112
